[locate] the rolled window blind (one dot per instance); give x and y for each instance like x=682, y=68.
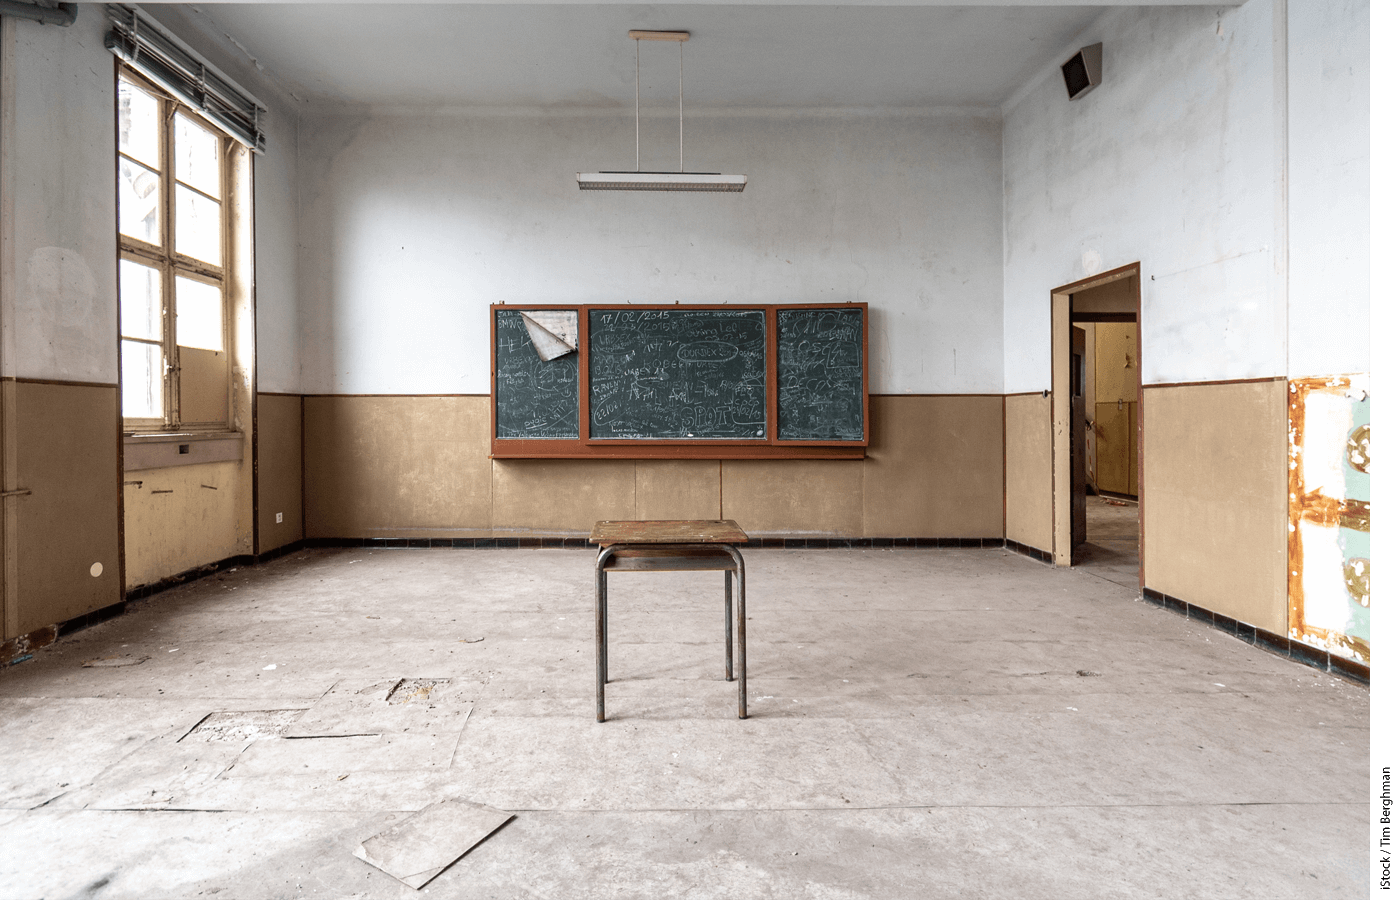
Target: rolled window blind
x=153, y=51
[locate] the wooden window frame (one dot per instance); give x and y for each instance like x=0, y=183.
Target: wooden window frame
x=171, y=264
x=768, y=447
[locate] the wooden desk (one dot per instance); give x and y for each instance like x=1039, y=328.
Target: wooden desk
x=685, y=545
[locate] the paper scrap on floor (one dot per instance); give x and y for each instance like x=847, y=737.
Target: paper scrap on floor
x=418, y=849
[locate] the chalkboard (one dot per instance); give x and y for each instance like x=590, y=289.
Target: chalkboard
x=769, y=381
x=690, y=374
x=821, y=375
x=535, y=399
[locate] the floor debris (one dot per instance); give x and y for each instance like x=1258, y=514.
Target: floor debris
x=419, y=848
x=388, y=706
x=241, y=725
x=111, y=662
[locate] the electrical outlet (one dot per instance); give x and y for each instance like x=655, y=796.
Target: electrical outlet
x=279, y=518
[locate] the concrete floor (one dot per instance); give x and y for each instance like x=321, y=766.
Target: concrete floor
x=1111, y=551
x=924, y=723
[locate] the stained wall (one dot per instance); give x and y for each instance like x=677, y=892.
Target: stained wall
x=418, y=467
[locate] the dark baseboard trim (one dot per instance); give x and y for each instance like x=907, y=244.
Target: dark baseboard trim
x=1035, y=553
x=277, y=552
x=19, y=649
x=185, y=577
x=1276, y=643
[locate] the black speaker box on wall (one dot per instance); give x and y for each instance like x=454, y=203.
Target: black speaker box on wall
x=1083, y=71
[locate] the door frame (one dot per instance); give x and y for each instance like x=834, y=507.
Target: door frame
x=1061, y=480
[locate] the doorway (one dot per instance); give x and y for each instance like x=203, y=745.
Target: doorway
x=1097, y=434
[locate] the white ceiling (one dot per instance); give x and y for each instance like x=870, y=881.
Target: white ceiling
x=577, y=56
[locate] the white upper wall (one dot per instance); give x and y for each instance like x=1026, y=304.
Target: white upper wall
x=1329, y=160
x=412, y=225
x=58, y=231
x=1170, y=162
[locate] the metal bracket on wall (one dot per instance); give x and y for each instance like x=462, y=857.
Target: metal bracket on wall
x=20, y=493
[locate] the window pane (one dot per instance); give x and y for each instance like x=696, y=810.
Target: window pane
x=138, y=124
x=142, y=384
x=138, y=201
x=140, y=293
x=197, y=231
x=199, y=314
x=196, y=155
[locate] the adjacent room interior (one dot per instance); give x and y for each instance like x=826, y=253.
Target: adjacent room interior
x=1027, y=345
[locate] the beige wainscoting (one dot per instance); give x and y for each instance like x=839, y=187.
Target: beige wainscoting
x=62, y=441
x=1029, y=472
x=935, y=467
x=560, y=496
x=798, y=497
x=279, y=470
x=1215, y=497
x=678, y=489
x=414, y=466
x=402, y=466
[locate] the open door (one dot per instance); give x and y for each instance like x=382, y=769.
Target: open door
x=1078, y=449
x=1107, y=533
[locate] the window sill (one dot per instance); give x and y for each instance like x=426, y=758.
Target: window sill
x=169, y=449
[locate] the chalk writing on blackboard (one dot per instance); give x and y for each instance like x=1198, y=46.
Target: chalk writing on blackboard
x=820, y=375
x=535, y=398
x=677, y=373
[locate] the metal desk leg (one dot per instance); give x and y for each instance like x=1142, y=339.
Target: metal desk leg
x=728, y=626
x=743, y=628
x=600, y=610
x=743, y=647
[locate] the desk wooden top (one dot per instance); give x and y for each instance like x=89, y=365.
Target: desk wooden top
x=668, y=531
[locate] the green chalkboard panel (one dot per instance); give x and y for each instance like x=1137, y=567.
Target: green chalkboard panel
x=534, y=398
x=683, y=373
x=821, y=390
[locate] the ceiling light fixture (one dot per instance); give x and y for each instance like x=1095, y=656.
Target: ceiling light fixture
x=660, y=181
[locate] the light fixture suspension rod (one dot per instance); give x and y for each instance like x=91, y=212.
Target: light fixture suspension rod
x=680, y=54
x=638, y=107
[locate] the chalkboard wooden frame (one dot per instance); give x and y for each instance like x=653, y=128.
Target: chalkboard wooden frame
x=767, y=447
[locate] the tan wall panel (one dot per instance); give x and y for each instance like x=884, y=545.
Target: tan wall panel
x=279, y=471
x=1028, y=471
x=66, y=441
x=678, y=489
x=397, y=466
x=1215, y=498
x=561, y=496
x=1116, y=447
x=1115, y=362
x=180, y=518
x=934, y=467
x=796, y=497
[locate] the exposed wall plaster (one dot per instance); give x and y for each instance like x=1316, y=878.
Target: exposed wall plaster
x=1329, y=512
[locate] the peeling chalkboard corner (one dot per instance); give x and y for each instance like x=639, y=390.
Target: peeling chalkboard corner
x=554, y=333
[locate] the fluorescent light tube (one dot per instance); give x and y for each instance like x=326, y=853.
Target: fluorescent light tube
x=660, y=181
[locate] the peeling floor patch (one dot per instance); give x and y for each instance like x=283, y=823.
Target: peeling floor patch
x=243, y=725
x=112, y=662
x=411, y=689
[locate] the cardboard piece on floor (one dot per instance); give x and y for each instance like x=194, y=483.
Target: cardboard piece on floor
x=419, y=848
